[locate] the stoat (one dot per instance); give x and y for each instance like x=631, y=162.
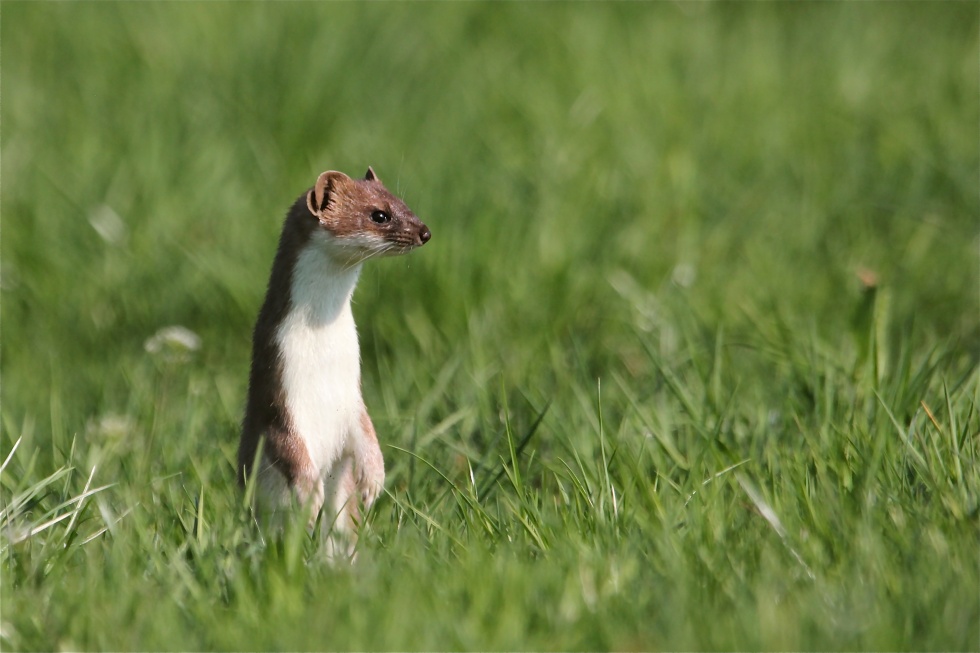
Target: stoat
x=319, y=447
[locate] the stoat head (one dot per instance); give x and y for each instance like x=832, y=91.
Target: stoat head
x=361, y=219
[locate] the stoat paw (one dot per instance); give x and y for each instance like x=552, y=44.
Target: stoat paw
x=370, y=479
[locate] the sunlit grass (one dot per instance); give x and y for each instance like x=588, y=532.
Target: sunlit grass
x=689, y=363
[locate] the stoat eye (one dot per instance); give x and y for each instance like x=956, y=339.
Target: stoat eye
x=381, y=217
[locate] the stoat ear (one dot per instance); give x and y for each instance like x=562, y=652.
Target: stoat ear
x=370, y=176
x=326, y=185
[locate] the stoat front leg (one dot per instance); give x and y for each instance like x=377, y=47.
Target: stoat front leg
x=292, y=463
x=309, y=491
x=369, y=464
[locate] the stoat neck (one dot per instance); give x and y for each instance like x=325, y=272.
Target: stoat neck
x=321, y=287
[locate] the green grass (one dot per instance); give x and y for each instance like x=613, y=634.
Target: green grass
x=633, y=395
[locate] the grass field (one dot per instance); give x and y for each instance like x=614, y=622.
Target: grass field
x=691, y=361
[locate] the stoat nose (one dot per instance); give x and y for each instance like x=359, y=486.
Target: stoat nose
x=425, y=235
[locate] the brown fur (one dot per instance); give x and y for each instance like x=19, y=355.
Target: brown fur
x=344, y=207
x=265, y=412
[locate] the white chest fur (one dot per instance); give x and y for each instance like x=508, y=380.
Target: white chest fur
x=321, y=359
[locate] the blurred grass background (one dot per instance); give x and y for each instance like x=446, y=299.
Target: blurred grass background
x=684, y=236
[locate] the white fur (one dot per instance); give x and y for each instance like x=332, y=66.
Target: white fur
x=321, y=358
x=322, y=387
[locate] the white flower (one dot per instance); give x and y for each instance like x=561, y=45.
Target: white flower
x=111, y=427
x=173, y=343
